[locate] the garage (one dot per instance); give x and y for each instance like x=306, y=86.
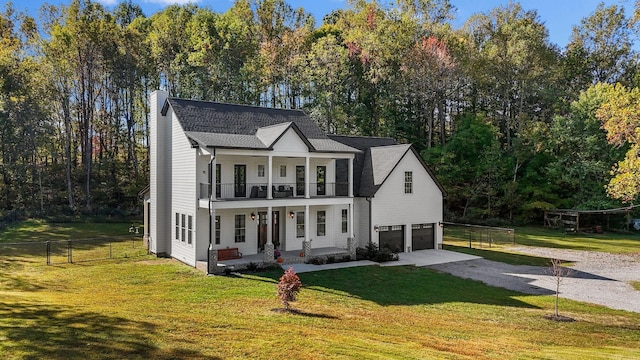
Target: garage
x=422, y=237
x=392, y=237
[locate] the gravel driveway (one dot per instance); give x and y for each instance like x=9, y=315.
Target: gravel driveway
x=598, y=278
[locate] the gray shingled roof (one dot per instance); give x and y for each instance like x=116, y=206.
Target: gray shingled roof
x=213, y=124
x=384, y=159
x=378, y=159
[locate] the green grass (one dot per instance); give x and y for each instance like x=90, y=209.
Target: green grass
x=636, y=285
x=40, y=230
x=162, y=309
x=500, y=254
x=457, y=239
x=618, y=243
x=143, y=307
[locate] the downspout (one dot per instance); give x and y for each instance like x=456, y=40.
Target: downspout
x=370, y=217
x=209, y=205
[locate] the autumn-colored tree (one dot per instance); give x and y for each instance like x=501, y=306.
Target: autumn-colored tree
x=288, y=286
x=620, y=116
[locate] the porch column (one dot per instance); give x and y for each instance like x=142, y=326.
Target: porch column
x=213, y=253
x=270, y=180
x=268, y=247
x=306, y=222
x=352, y=244
x=306, y=179
x=350, y=185
x=351, y=220
x=306, y=243
x=212, y=179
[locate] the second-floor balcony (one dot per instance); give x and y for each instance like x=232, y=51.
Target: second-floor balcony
x=253, y=191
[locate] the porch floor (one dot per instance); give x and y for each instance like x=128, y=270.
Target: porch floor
x=288, y=257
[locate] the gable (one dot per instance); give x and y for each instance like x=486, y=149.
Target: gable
x=290, y=142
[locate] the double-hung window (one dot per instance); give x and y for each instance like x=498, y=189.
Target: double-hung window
x=300, y=224
x=408, y=182
x=321, y=223
x=240, y=232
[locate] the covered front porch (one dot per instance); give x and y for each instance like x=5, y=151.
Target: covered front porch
x=288, y=257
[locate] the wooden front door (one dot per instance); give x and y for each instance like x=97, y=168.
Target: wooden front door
x=262, y=229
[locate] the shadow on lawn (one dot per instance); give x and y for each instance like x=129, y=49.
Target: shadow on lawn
x=403, y=285
x=42, y=331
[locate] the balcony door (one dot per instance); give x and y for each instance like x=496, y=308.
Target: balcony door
x=321, y=180
x=240, y=180
x=299, y=180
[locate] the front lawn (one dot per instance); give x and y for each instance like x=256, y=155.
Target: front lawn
x=41, y=230
x=610, y=242
x=161, y=309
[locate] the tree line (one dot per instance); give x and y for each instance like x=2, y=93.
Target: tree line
x=510, y=123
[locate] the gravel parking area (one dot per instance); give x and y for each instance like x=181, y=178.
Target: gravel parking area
x=598, y=278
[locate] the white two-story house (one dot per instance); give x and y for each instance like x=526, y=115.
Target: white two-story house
x=257, y=179
x=234, y=176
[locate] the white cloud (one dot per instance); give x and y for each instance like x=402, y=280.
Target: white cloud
x=108, y=2
x=171, y=2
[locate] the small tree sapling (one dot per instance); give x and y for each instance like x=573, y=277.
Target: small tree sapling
x=289, y=286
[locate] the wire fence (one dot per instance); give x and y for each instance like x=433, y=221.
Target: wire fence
x=75, y=251
x=477, y=236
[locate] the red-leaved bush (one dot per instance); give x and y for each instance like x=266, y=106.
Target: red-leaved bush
x=288, y=287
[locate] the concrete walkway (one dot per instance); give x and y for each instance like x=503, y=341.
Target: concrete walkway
x=416, y=258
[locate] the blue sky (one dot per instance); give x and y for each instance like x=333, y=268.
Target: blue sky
x=558, y=15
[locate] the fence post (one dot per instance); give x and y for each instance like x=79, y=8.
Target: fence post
x=69, y=255
x=48, y=252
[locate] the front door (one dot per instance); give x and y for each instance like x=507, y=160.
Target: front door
x=262, y=229
x=299, y=180
x=240, y=180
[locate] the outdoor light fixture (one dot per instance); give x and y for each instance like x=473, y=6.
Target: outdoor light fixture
x=291, y=214
x=441, y=224
x=253, y=216
x=376, y=228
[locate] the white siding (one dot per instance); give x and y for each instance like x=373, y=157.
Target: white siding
x=184, y=188
x=290, y=143
x=227, y=231
x=202, y=234
x=361, y=219
x=391, y=206
x=160, y=168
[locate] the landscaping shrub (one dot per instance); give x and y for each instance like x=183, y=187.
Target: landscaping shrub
x=252, y=267
x=315, y=261
x=371, y=252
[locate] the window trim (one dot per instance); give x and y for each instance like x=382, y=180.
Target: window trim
x=183, y=228
x=190, y=229
x=240, y=226
x=408, y=182
x=300, y=226
x=321, y=226
x=177, y=227
x=218, y=233
x=283, y=171
x=345, y=221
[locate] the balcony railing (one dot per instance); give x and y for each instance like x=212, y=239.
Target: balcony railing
x=278, y=190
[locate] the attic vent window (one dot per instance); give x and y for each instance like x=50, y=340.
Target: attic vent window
x=408, y=182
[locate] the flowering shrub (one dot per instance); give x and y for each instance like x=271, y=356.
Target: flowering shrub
x=288, y=287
